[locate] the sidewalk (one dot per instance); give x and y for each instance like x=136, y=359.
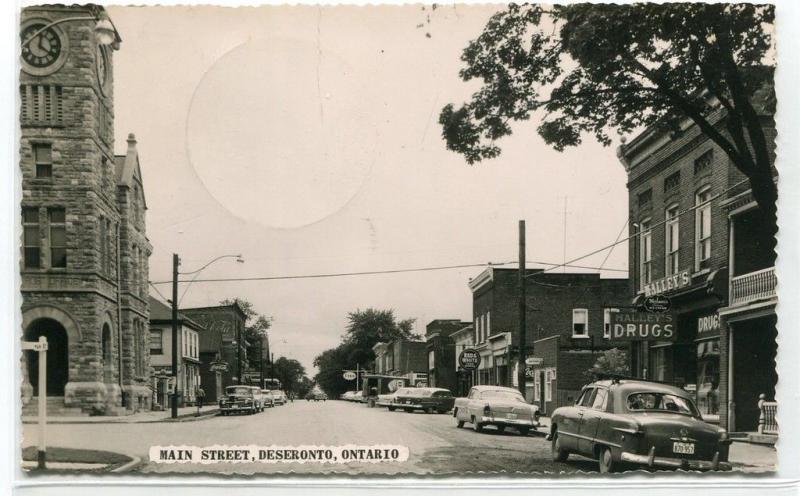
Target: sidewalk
x=185, y=414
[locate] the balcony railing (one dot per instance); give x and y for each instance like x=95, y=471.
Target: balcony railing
x=768, y=410
x=754, y=286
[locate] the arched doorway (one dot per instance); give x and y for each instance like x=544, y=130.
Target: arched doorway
x=57, y=356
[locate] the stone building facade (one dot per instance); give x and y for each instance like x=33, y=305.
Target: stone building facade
x=84, y=250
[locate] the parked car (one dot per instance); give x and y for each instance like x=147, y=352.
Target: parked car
x=239, y=399
x=427, y=399
x=389, y=400
x=627, y=421
x=498, y=406
x=279, y=397
x=269, y=399
x=359, y=397
x=348, y=396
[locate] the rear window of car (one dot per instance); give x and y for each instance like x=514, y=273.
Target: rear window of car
x=442, y=394
x=499, y=394
x=665, y=402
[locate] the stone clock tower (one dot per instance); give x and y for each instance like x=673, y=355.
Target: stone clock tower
x=84, y=250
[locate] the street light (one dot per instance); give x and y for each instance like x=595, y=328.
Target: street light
x=104, y=31
x=176, y=262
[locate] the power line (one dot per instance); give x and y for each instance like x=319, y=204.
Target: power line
x=376, y=272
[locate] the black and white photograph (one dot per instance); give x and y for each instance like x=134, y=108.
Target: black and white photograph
x=456, y=240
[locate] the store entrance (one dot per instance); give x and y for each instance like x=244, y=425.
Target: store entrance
x=754, y=351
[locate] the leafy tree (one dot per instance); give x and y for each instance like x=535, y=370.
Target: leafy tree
x=613, y=361
x=290, y=372
x=596, y=68
x=256, y=326
x=365, y=328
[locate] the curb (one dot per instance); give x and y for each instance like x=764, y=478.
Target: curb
x=187, y=417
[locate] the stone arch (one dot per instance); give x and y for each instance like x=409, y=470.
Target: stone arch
x=54, y=313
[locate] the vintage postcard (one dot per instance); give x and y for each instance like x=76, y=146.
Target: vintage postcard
x=458, y=240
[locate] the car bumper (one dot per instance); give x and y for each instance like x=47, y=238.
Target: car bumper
x=509, y=422
x=235, y=407
x=666, y=462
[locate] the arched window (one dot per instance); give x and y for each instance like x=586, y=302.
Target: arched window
x=702, y=229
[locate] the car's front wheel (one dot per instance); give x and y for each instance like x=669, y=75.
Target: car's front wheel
x=606, y=461
x=391, y=408
x=460, y=424
x=559, y=454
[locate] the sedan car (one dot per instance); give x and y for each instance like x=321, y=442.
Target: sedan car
x=269, y=399
x=642, y=423
x=279, y=396
x=239, y=399
x=427, y=399
x=497, y=406
x=348, y=396
x=389, y=400
x=316, y=396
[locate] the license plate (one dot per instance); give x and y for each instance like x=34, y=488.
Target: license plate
x=511, y=416
x=683, y=448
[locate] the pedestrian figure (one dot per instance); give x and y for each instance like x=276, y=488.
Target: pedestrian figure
x=201, y=395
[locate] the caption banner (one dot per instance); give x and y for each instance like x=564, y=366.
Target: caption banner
x=278, y=454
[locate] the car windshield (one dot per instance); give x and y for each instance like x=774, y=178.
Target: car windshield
x=402, y=392
x=664, y=402
x=239, y=391
x=499, y=394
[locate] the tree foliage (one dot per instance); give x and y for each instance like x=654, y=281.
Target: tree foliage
x=291, y=373
x=601, y=68
x=365, y=328
x=613, y=361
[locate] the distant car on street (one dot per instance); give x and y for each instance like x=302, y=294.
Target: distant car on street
x=316, y=396
x=359, y=397
x=389, y=400
x=269, y=399
x=279, y=397
x=497, y=406
x=427, y=399
x=240, y=399
x=347, y=396
x=631, y=421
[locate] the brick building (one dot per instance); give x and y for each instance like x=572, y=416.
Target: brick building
x=463, y=339
x=224, y=335
x=402, y=357
x=441, y=353
x=84, y=250
x=565, y=326
x=698, y=245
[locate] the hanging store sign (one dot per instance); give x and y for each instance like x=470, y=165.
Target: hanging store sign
x=349, y=376
x=642, y=326
x=669, y=283
x=708, y=326
x=657, y=304
x=469, y=359
x=218, y=367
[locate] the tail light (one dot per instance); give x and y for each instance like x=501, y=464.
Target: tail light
x=487, y=410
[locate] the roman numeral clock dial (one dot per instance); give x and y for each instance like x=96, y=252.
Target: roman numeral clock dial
x=42, y=51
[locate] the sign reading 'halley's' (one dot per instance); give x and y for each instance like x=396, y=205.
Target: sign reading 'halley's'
x=642, y=326
x=668, y=283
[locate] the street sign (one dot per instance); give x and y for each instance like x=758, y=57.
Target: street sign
x=34, y=345
x=469, y=359
x=421, y=384
x=534, y=361
x=657, y=304
x=349, y=376
x=642, y=326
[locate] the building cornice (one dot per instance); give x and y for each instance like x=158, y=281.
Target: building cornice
x=482, y=279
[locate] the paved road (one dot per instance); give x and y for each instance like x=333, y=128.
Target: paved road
x=435, y=445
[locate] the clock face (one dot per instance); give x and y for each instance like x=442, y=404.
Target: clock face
x=102, y=67
x=43, y=50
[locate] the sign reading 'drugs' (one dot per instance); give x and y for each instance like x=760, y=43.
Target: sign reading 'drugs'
x=642, y=326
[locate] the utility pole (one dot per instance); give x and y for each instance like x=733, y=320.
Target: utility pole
x=238, y=354
x=522, y=310
x=176, y=261
x=261, y=363
x=272, y=366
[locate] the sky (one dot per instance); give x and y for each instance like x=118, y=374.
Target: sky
x=306, y=139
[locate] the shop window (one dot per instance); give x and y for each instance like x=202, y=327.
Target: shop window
x=549, y=377
x=58, y=237
x=708, y=377
x=672, y=240
x=580, y=323
x=607, y=321
x=645, y=254
x=32, y=241
x=156, y=342
x=43, y=158
x=702, y=228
